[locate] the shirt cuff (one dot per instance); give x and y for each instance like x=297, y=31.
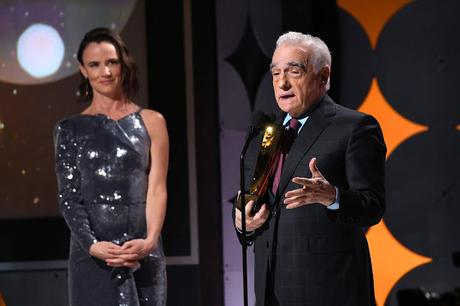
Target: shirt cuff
x=336, y=204
x=247, y=233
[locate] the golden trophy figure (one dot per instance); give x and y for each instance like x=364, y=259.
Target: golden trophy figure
x=266, y=164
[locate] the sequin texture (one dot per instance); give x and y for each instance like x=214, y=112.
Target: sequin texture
x=102, y=169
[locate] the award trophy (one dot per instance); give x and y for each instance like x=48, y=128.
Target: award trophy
x=265, y=165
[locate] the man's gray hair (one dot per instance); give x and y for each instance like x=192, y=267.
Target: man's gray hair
x=320, y=55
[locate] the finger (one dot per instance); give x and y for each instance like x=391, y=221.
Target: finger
x=262, y=216
x=296, y=192
x=127, y=244
x=303, y=181
x=123, y=263
x=238, y=221
x=262, y=213
x=248, y=207
x=314, y=168
x=126, y=255
x=238, y=202
x=294, y=205
x=296, y=199
x=112, y=246
x=123, y=257
x=114, y=261
x=115, y=251
x=131, y=246
x=109, y=245
x=133, y=250
x=238, y=216
x=130, y=256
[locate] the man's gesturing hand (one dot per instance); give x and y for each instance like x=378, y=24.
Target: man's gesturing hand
x=314, y=190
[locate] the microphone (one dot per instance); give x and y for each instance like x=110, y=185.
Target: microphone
x=258, y=121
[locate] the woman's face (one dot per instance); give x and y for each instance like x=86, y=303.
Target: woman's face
x=102, y=67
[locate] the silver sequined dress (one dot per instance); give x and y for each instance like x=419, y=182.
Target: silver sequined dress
x=102, y=169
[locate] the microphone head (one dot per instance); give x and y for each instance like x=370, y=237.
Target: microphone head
x=260, y=119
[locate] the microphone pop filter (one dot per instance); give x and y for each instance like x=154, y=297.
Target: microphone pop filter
x=260, y=119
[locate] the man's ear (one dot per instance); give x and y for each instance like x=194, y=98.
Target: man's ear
x=324, y=74
x=83, y=71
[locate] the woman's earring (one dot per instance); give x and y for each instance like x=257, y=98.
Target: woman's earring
x=86, y=87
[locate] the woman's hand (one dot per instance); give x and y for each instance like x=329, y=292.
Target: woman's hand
x=104, y=250
x=113, y=255
x=141, y=247
x=129, y=254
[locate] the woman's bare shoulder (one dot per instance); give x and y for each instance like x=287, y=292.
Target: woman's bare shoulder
x=152, y=117
x=154, y=121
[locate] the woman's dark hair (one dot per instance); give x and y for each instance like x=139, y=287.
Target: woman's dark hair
x=129, y=81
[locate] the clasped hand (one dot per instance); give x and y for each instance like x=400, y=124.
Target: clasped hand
x=126, y=255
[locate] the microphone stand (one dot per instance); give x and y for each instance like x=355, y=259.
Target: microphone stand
x=244, y=245
x=258, y=120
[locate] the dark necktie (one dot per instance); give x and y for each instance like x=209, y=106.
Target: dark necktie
x=294, y=126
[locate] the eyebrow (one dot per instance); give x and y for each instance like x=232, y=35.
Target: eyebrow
x=297, y=64
x=290, y=64
x=107, y=60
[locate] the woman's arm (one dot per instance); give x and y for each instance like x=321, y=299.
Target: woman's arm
x=157, y=190
x=70, y=201
x=68, y=177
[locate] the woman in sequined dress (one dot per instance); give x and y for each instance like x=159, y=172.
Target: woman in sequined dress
x=111, y=165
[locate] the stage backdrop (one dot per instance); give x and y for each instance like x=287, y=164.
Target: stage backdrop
x=395, y=59
x=38, y=86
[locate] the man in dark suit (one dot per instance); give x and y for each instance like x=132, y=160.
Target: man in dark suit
x=309, y=236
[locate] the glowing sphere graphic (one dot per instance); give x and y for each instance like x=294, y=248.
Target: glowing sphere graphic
x=52, y=28
x=40, y=50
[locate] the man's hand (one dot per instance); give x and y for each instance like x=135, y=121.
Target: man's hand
x=252, y=222
x=314, y=190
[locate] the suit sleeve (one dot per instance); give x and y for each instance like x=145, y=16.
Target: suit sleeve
x=363, y=202
x=250, y=236
x=69, y=181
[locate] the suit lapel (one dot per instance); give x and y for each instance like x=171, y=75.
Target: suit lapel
x=318, y=120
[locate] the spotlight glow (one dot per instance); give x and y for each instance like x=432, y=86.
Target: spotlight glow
x=40, y=50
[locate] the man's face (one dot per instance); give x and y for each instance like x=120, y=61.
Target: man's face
x=295, y=85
